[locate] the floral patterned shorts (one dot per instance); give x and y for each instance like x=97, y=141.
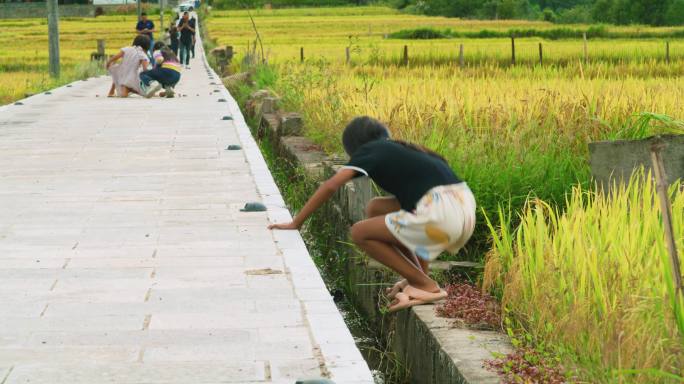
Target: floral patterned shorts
x=444, y=220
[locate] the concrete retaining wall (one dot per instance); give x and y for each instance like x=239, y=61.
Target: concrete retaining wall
x=616, y=160
x=435, y=350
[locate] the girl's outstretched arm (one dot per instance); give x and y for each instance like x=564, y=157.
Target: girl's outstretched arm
x=114, y=58
x=322, y=194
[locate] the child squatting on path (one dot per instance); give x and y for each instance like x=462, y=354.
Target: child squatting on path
x=166, y=72
x=431, y=210
x=125, y=75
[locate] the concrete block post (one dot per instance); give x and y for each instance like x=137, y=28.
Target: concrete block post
x=616, y=160
x=363, y=193
x=269, y=105
x=291, y=124
x=53, y=37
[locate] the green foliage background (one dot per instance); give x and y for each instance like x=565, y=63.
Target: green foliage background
x=621, y=12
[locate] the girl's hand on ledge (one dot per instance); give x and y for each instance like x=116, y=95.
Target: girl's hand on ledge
x=290, y=225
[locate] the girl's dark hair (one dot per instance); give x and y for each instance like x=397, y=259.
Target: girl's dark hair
x=421, y=148
x=364, y=129
x=158, y=45
x=168, y=54
x=361, y=130
x=142, y=41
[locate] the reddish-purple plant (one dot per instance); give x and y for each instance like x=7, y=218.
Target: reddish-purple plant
x=526, y=365
x=470, y=304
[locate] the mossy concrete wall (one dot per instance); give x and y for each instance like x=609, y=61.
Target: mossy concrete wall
x=616, y=160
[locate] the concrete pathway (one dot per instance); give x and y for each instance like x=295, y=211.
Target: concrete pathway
x=124, y=257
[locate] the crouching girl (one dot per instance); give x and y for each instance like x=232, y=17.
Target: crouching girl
x=431, y=210
x=166, y=72
x=125, y=74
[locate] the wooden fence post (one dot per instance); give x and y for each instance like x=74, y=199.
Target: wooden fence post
x=667, y=52
x=301, y=54
x=406, y=57
x=161, y=15
x=461, y=58
x=101, y=48
x=666, y=211
x=586, y=51
x=541, y=55
x=512, y=49
x=348, y=55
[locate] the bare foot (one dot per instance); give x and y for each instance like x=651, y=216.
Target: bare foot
x=430, y=286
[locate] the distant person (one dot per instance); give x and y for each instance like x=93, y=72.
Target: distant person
x=166, y=39
x=166, y=72
x=125, y=75
x=186, y=27
x=173, y=39
x=194, y=35
x=431, y=210
x=146, y=27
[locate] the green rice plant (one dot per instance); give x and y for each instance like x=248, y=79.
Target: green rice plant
x=643, y=126
x=594, y=281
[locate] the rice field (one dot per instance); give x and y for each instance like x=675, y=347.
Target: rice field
x=518, y=134
x=24, y=57
x=285, y=32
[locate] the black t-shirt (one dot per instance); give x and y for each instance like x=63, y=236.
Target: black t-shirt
x=186, y=34
x=404, y=172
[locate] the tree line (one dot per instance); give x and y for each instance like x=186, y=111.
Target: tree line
x=622, y=12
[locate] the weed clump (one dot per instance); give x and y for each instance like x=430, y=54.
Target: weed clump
x=470, y=304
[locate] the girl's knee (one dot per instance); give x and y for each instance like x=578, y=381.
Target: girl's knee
x=357, y=233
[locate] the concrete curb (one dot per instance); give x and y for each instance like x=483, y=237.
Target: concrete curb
x=343, y=361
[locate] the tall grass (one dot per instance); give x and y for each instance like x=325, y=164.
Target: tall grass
x=594, y=281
